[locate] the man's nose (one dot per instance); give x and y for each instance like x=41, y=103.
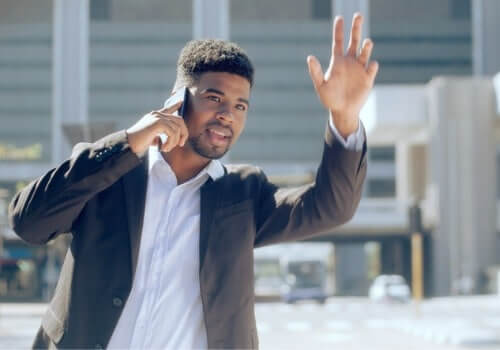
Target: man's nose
x=225, y=114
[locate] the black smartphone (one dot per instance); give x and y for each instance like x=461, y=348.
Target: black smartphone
x=180, y=95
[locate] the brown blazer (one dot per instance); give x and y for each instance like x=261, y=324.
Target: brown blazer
x=98, y=196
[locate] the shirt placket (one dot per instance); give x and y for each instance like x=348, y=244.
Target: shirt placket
x=152, y=274
x=161, y=247
x=160, y=255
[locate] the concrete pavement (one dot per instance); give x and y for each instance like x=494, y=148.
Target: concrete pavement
x=19, y=323
x=342, y=323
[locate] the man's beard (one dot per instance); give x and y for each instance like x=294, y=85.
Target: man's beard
x=206, y=151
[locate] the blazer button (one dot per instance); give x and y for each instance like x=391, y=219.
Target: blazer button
x=99, y=346
x=118, y=302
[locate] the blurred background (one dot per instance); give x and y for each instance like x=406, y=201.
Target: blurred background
x=419, y=261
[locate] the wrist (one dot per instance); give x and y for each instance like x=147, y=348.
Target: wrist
x=346, y=123
x=133, y=143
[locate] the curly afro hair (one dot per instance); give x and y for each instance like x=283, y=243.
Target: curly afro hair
x=211, y=55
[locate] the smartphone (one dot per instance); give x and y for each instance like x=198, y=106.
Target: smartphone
x=180, y=95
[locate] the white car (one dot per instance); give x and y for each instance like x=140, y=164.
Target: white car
x=390, y=288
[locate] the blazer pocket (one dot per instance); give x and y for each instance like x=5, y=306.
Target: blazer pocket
x=52, y=326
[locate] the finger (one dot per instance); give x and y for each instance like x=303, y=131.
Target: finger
x=366, y=51
x=168, y=145
x=177, y=133
x=179, y=123
x=169, y=131
x=166, y=115
x=355, y=39
x=181, y=126
x=175, y=120
x=372, y=70
x=171, y=109
x=173, y=136
x=338, y=37
x=315, y=72
x=184, y=135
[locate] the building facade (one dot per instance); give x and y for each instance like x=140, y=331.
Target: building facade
x=63, y=83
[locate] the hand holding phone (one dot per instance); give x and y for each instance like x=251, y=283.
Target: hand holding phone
x=180, y=95
x=167, y=121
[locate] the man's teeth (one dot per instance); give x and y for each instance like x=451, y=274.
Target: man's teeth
x=218, y=133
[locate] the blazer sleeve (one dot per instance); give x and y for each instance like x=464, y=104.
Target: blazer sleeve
x=49, y=205
x=290, y=214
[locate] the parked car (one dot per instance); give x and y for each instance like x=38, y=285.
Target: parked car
x=294, y=272
x=390, y=288
x=305, y=280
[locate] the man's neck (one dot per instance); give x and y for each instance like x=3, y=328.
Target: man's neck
x=184, y=163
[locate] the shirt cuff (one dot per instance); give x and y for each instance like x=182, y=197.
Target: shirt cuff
x=354, y=141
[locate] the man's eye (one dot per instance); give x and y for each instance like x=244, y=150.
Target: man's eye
x=214, y=98
x=241, y=107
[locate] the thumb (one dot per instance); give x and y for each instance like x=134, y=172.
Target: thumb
x=315, y=71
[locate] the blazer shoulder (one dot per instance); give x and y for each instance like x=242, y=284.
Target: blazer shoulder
x=79, y=148
x=248, y=178
x=245, y=172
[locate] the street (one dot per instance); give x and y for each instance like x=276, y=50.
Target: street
x=357, y=323
x=342, y=323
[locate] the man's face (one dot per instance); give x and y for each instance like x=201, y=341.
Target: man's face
x=216, y=113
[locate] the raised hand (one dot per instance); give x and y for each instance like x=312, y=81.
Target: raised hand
x=345, y=86
x=147, y=130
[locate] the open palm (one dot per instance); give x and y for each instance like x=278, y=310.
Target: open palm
x=345, y=86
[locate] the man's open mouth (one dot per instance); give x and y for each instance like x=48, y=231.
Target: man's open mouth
x=219, y=136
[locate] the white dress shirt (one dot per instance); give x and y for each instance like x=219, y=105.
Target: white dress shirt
x=164, y=309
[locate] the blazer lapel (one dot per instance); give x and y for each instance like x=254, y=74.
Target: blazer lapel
x=135, y=185
x=209, y=199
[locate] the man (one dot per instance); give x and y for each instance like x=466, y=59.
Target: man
x=163, y=233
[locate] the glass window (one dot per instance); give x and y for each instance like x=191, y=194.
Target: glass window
x=100, y=10
x=461, y=9
x=322, y=9
x=416, y=40
x=26, y=83
x=26, y=128
x=381, y=188
x=133, y=57
x=385, y=153
x=278, y=35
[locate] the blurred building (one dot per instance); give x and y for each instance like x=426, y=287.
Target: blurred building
x=76, y=70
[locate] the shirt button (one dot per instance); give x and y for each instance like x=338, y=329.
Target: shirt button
x=118, y=302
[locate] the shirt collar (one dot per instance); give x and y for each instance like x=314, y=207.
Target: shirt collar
x=214, y=169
